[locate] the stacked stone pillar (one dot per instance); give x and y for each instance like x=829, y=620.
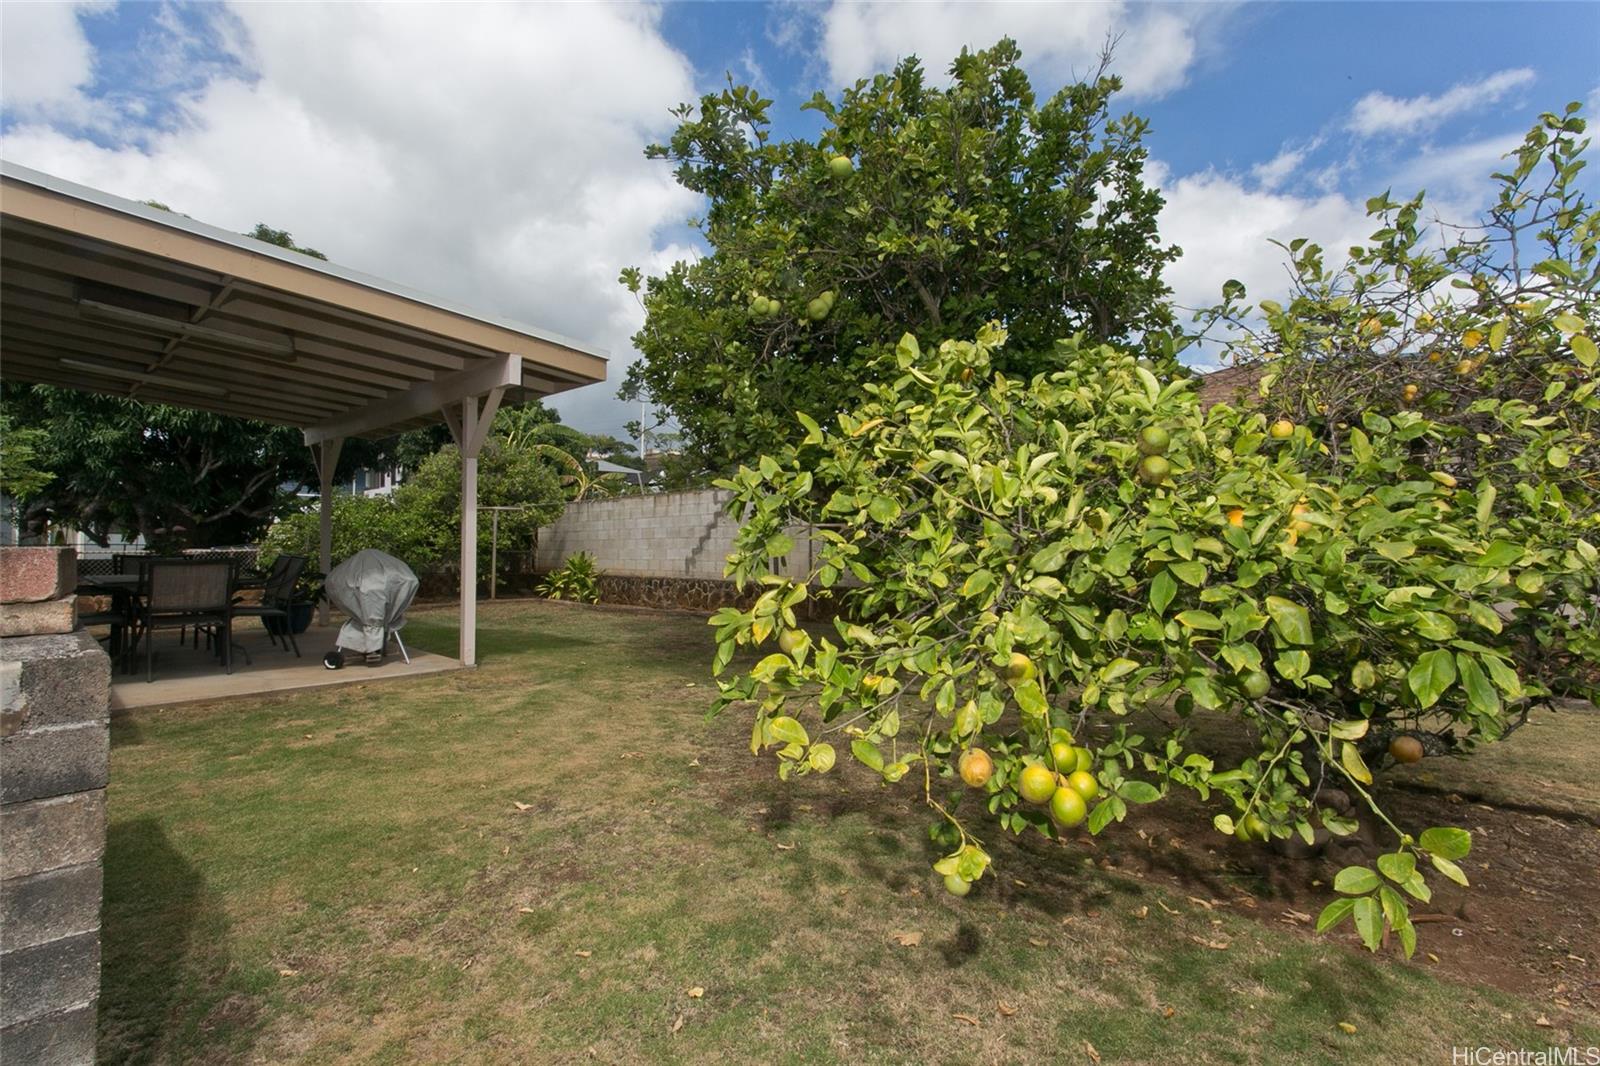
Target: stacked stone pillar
x=54, y=747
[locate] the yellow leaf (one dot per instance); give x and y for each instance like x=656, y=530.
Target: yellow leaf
x=583, y=954
x=906, y=940
x=1006, y=1010
x=696, y=992
x=1471, y=339
x=969, y=1019
x=1347, y=1027
x=519, y=805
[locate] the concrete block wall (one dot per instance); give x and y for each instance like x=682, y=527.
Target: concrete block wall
x=55, y=684
x=684, y=535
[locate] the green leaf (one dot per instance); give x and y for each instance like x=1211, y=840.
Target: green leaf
x=787, y=730
x=1480, y=693
x=1291, y=620
x=867, y=753
x=1102, y=815
x=1138, y=791
x=1446, y=842
x=1355, y=880
x=1369, y=922
x=1433, y=674
x=1397, y=866
x=1190, y=573
x=1199, y=620
x=1449, y=869
x=1334, y=913
x=1162, y=589
x=1117, y=668
x=1030, y=698
x=883, y=509
x=1585, y=350
x=821, y=757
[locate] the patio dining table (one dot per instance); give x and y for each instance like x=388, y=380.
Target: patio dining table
x=124, y=588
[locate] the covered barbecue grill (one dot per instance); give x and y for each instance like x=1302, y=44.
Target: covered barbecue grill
x=374, y=589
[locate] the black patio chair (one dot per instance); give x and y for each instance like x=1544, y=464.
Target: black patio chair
x=277, y=600
x=180, y=593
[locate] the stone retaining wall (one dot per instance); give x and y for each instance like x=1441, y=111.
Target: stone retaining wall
x=55, y=684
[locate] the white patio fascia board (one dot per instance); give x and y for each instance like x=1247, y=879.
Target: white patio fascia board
x=423, y=398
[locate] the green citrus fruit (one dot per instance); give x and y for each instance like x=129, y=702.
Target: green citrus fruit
x=1067, y=808
x=955, y=886
x=840, y=166
x=1084, y=784
x=1153, y=469
x=1037, y=784
x=1085, y=759
x=1252, y=828
x=1153, y=440
x=1065, y=757
x=792, y=640
x=817, y=309
x=1256, y=684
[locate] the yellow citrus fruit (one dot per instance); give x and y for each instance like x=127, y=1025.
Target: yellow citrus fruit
x=976, y=767
x=1037, y=784
x=1020, y=669
x=1406, y=749
x=1083, y=783
x=1409, y=393
x=1465, y=367
x=1065, y=756
x=1236, y=516
x=1282, y=429
x=1434, y=357
x=1296, y=523
x=1067, y=808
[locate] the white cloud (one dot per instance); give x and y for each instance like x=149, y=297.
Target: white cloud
x=1380, y=113
x=1277, y=170
x=1156, y=46
x=475, y=151
x=45, y=59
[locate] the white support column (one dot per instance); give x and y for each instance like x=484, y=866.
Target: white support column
x=326, y=454
x=470, y=431
x=469, y=532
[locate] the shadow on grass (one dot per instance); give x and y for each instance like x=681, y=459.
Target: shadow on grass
x=164, y=963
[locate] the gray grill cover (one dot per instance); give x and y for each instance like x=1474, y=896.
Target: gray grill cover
x=374, y=589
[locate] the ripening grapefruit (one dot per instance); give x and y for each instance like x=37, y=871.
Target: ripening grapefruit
x=1085, y=759
x=1037, y=784
x=792, y=640
x=840, y=166
x=1406, y=749
x=1067, y=808
x=1282, y=429
x=1020, y=669
x=976, y=767
x=955, y=886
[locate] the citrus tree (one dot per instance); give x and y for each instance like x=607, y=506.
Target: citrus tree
x=1047, y=584
x=922, y=207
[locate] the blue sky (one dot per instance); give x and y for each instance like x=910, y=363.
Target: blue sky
x=491, y=153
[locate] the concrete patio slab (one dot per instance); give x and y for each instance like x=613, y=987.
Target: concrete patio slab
x=184, y=674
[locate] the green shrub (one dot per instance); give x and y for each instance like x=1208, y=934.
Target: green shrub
x=578, y=579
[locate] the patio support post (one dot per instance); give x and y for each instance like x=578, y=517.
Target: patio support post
x=470, y=426
x=326, y=454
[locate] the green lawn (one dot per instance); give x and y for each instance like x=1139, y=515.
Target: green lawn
x=347, y=876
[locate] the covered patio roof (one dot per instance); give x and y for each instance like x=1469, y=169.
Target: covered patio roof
x=103, y=294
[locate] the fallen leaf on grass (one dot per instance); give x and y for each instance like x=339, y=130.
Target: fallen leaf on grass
x=287, y=973
x=785, y=847
x=969, y=1019
x=1542, y=1022
x=519, y=805
x=583, y=954
x=1203, y=903
x=1297, y=916
x=1164, y=907
x=1088, y=1049
x=677, y=1024
x=527, y=910
x=1168, y=1012
x=1006, y=1010
x=1347, y=1027
x=906, y=940
x=1214, y=945
x=1036, y=942
x=696, y=992
x=1142, y=913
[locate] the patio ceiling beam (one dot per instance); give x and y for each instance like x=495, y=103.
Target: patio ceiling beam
x=422, y=400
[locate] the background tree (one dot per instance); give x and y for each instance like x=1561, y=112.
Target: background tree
x=925, y=209
x=1086, y=590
